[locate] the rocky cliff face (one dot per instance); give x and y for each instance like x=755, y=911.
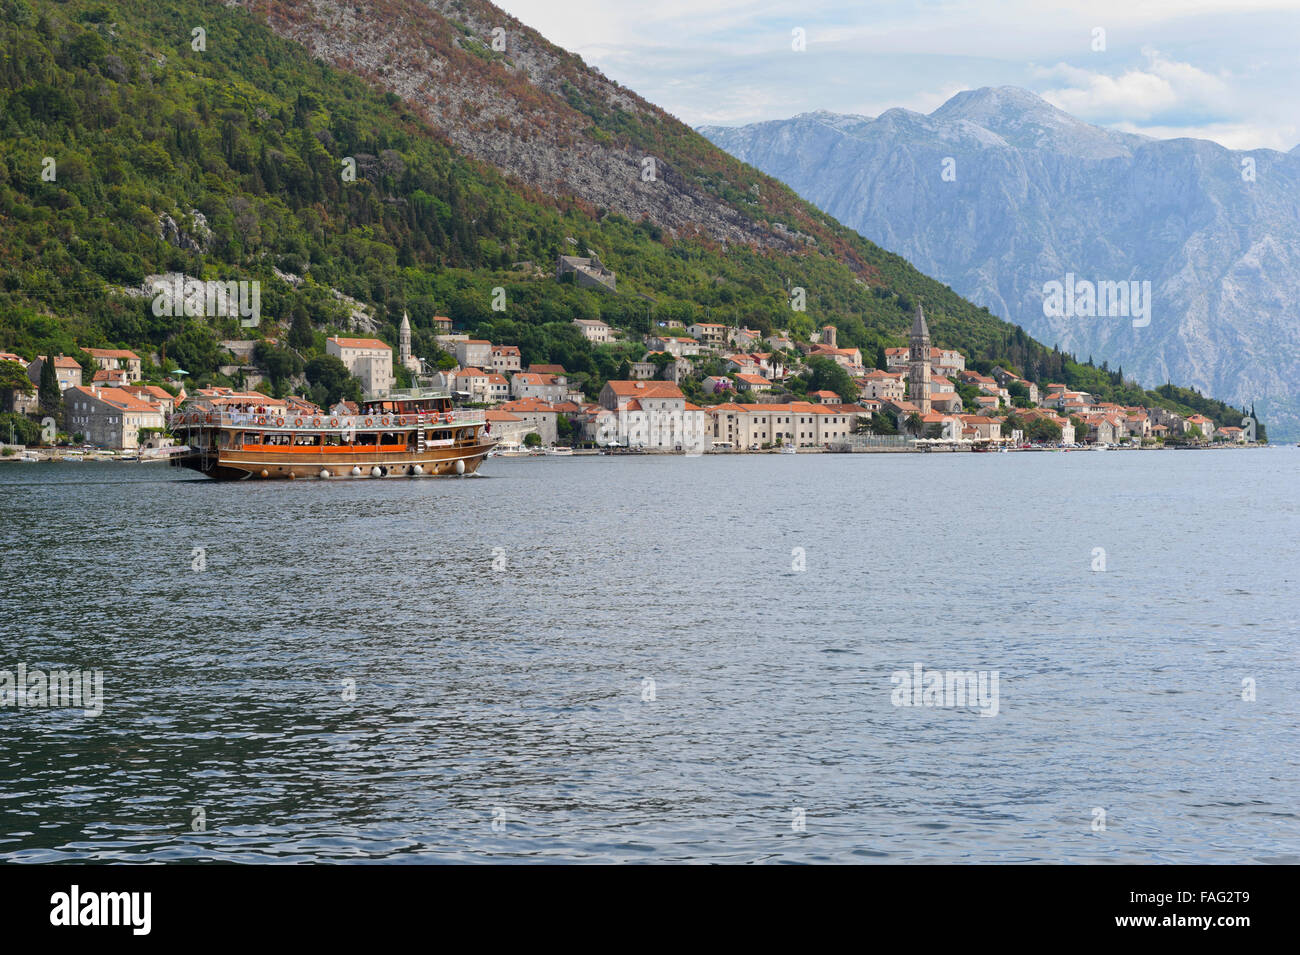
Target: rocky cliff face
x=503, y=94
x=997, y=193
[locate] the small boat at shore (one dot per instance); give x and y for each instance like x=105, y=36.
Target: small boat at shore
x=560, y=451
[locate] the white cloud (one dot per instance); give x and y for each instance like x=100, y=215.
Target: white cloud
x=1225, y=68
x=1244, y=136
x=1162, y=86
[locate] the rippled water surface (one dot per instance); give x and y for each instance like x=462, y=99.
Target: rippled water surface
x=515, y=695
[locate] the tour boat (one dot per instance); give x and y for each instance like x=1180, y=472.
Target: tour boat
x=413, y=433
x=560, y=450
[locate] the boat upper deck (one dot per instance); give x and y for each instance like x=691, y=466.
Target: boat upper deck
x=281, y=421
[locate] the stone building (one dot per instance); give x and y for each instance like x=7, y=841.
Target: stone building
x=366, y=358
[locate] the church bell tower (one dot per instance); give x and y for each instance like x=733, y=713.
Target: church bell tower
x=918, y=368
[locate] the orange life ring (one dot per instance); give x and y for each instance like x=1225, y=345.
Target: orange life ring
x=279, y=422
x=297, y=422
x=315, y=422
x=402, y=420
x=384, y=421
x=259, y=419
x=369, y=422
x=334, y=422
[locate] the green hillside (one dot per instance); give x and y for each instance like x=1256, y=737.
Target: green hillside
x=252, y=133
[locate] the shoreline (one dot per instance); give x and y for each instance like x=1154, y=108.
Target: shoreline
x=45, y=456
x=736, y=452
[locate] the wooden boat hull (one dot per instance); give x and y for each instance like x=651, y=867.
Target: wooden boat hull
x=241, y=465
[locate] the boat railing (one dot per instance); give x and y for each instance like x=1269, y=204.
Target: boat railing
x=292, y=421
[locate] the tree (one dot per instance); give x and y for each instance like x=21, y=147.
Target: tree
x=330, y=374
x=826, y=374
x=13, y=382
x=882, y=362
x=280, y=363
x=1043, y=430
x=914, y=423
x=624, y=372
x=882, y=424
x=197, y=350
x=532, y=440
x=51, y=398
x=301, y=334
x=25, y=430
x=800, y=326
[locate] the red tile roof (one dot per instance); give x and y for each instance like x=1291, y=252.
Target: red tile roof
x=645, y=389
x=118, y=398
x=360, y=343
x=528, y=405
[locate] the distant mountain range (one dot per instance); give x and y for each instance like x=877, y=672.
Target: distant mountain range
x=998, y=193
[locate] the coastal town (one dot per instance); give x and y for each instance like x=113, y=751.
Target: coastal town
x=752, y=396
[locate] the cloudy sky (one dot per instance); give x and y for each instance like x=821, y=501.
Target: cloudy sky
x=1227, y=70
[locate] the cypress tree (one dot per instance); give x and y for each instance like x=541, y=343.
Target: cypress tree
x=49, y=395
x=301, y=333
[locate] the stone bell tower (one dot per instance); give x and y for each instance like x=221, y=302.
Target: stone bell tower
x=918, y=368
